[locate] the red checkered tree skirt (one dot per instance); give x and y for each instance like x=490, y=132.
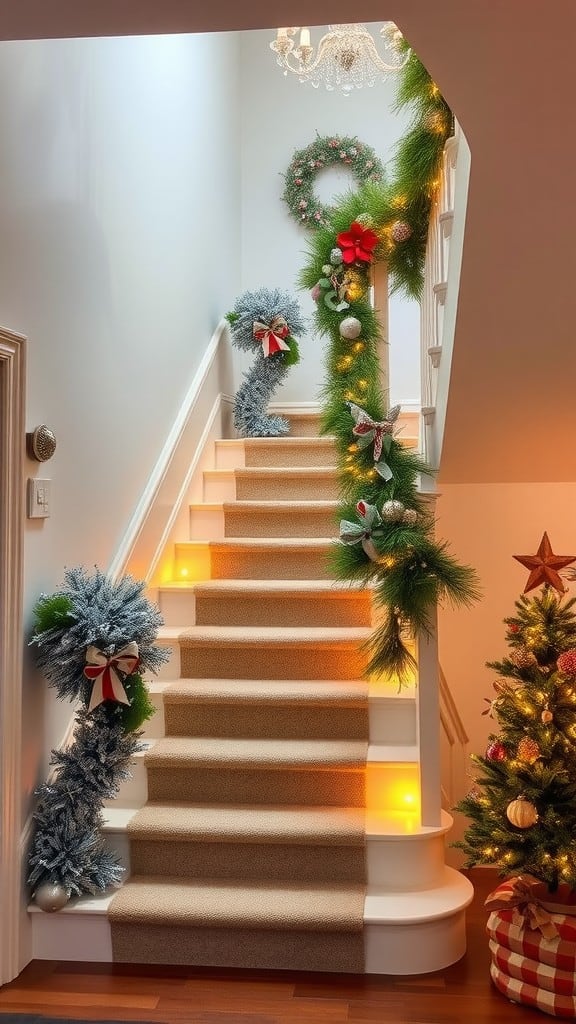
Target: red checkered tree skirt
x=559, y=953
x=531, y=971
x=530, y=995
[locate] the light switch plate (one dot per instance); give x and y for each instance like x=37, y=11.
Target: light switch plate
x=39, y=498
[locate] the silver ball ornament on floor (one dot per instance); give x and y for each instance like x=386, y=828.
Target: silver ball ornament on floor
x=350, y=328
x=393, y=511
x=50, y=897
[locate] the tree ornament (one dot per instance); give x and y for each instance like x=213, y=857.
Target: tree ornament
x=328, y=268
x=496, y=752
x=528, y=750
x=354, y=285
x=306, y=163
x=544, y=566
x=522, y=813
x=547, y=716
x=410, y=517
x=401, y=231
x=567, y=663
x=393, y=511
x=50, y=897
x=336, y=257
x=522, y=658
x=350, y=328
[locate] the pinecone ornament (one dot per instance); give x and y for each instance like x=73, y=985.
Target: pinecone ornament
x=401, y=231
x=528, y=750
x=523, y=658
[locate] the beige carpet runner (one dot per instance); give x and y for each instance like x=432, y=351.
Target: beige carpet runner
x=250, y=851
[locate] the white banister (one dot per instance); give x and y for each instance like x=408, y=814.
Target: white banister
x=428, y=725
x=435, y=287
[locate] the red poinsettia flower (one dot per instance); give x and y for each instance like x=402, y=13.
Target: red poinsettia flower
x=358, y=243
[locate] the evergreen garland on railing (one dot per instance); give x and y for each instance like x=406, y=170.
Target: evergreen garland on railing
x=387, y=527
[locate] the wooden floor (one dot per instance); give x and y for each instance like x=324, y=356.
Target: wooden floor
x=461, y=994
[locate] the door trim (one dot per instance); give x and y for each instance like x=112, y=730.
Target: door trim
x=12, y=511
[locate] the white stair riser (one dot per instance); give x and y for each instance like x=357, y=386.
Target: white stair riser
x=177, y=607
x=74, y=937
x=206, y=523
x=171, y=668
x=134, y=791
x=154, y=728
x=389, y=948
x=392, y=721
x=119, y=844
x=409, y=949
x=404, y=865
x=219, y=486
x=229, y=454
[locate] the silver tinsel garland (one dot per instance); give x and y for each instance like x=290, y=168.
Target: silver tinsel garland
x=68, y=848
x=267, y=372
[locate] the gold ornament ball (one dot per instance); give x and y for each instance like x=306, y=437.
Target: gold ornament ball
x=410, y=517
x=392, y=511
x=521, y=813
x=528, y=750
x=523, y=658
x=546, y=716
x=50, y=897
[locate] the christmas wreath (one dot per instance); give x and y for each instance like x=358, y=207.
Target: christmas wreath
x=333, y=151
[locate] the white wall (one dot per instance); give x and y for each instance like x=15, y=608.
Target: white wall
x=119, y=220
x=487, y=524
x=279, y=116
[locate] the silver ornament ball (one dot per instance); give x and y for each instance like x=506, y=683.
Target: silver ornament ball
x=350, y=328
x=336, y=257
x=392, y=511
x=50, y=897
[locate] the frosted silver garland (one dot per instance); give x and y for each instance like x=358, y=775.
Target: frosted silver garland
x=267, y=372
x=68, y=847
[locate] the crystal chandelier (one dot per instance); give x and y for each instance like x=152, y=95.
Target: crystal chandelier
x=346, y=57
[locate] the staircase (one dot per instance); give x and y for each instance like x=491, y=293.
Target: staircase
x=273, y=820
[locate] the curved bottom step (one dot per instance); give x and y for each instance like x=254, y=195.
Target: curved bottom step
x=404, y=933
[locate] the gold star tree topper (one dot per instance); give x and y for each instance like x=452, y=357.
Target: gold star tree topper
x=544, y=566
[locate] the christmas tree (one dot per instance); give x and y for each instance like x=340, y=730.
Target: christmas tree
x=523, y=803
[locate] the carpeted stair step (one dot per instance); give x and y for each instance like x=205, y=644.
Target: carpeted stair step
x=273, y=483
x=271, y=652
x=281, y=603
x=304, y=558
x=290, y=451
x=280, y=519
x=183, y=840
x=257, y=771
x=290, y=926
x=247, y=708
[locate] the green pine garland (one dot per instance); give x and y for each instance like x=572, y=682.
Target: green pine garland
x=410, y=570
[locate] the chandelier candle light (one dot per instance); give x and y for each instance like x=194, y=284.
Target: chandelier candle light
x=346, y=56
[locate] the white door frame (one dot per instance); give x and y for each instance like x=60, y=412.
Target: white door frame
x=12, y=511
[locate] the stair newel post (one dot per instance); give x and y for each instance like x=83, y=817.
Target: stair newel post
x=379, y=299
x=428, y=724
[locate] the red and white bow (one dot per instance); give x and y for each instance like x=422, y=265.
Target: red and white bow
x=105, y=673
x=272, y=335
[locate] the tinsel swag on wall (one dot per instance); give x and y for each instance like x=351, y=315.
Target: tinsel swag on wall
x=264, y=322
x=93, y=639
